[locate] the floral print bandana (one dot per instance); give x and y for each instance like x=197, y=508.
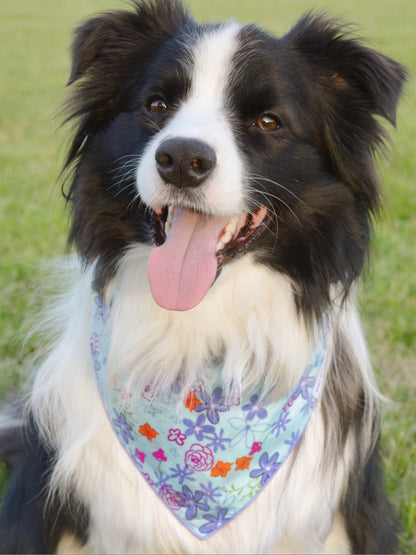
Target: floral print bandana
x=204, y=456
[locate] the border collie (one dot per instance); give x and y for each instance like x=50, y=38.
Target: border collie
x=207, y=386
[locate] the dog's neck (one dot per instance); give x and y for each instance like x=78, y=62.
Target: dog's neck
x=256, y=332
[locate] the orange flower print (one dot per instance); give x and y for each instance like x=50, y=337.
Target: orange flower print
x=243, y=463
x=191, y=401
x=147, y=431
x=221, y=469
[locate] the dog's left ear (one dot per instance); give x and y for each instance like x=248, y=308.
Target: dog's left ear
x=351, y=85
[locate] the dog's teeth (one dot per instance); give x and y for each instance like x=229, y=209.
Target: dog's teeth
x=220, y=246
x=226, y=237
x=228, y=233
x=169, y=219
x=231, y=227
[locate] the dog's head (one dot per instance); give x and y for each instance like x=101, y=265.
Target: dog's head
x=211, y=141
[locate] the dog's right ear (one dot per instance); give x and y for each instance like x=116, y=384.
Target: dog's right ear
x=108, y=52
x=110, y=36
x=89, y=43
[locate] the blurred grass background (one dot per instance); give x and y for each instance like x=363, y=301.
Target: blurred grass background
x=34, y=67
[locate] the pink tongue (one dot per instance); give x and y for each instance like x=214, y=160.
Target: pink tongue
x=183, y=269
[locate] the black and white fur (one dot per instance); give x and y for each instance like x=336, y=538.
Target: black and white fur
x=72, y=486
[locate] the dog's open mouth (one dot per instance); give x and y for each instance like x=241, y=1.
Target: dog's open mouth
x=191, y=248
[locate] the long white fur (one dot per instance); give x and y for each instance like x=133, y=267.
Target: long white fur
x=249, y=317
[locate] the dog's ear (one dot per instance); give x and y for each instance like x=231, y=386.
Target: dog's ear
x=108, y=56
x=111, y=36
x=92, y=41
x=352, y=85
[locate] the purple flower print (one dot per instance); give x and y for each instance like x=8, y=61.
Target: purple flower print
x=246, y=431
x=295, y=437
x=210, y=493
x=218, y=442
x=213, y=405
x=306, y=383
x=178, y=385
x=121, y=423
x=308, y=406
x=100, y=307
x=254, y=408
x=96, y=360
x=161, y=479
x=214, y=522
x=182, y=474
x=193, y=502
x=267, y=467
x=280, y=425
x=199, y=428
x=305, y=388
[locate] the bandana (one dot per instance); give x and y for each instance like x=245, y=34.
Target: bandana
x=204, y=455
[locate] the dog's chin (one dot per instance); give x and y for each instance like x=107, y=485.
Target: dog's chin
x=191, y=250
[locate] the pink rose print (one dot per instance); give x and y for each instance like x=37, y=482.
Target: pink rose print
x=197, y=386
x=177, y=436
x=289, y=404
x=256, y=447
x=149, y=393
x=234, y=400
x=199, y=458
x=160, y=455
x=141, y=456
x=125, y=393
x=95, y=342
x=171, y=498
x=148, y=479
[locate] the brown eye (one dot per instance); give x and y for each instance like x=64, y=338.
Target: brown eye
x=157, y=106
x=267, y=122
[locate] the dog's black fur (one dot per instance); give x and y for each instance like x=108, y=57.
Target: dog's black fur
x=28, y=523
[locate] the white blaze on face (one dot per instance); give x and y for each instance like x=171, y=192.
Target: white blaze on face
x=182, y=270
x=202, y=116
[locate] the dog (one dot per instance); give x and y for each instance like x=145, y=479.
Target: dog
x=207, y=386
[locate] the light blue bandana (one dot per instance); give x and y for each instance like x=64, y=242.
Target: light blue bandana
x=205, y=457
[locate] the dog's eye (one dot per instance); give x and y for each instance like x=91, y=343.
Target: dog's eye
x=157, y=106
x=268, y=122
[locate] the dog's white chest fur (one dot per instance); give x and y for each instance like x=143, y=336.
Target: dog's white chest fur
x=126, y=515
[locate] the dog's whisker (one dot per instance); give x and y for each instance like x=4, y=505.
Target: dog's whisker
x=276, y=183
x=268, y=196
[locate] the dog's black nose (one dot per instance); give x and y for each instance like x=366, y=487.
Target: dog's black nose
x=184, y=162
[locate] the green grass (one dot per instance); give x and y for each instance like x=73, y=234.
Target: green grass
x=34, y=41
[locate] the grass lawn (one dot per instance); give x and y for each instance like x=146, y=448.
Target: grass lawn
x=34, y=41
